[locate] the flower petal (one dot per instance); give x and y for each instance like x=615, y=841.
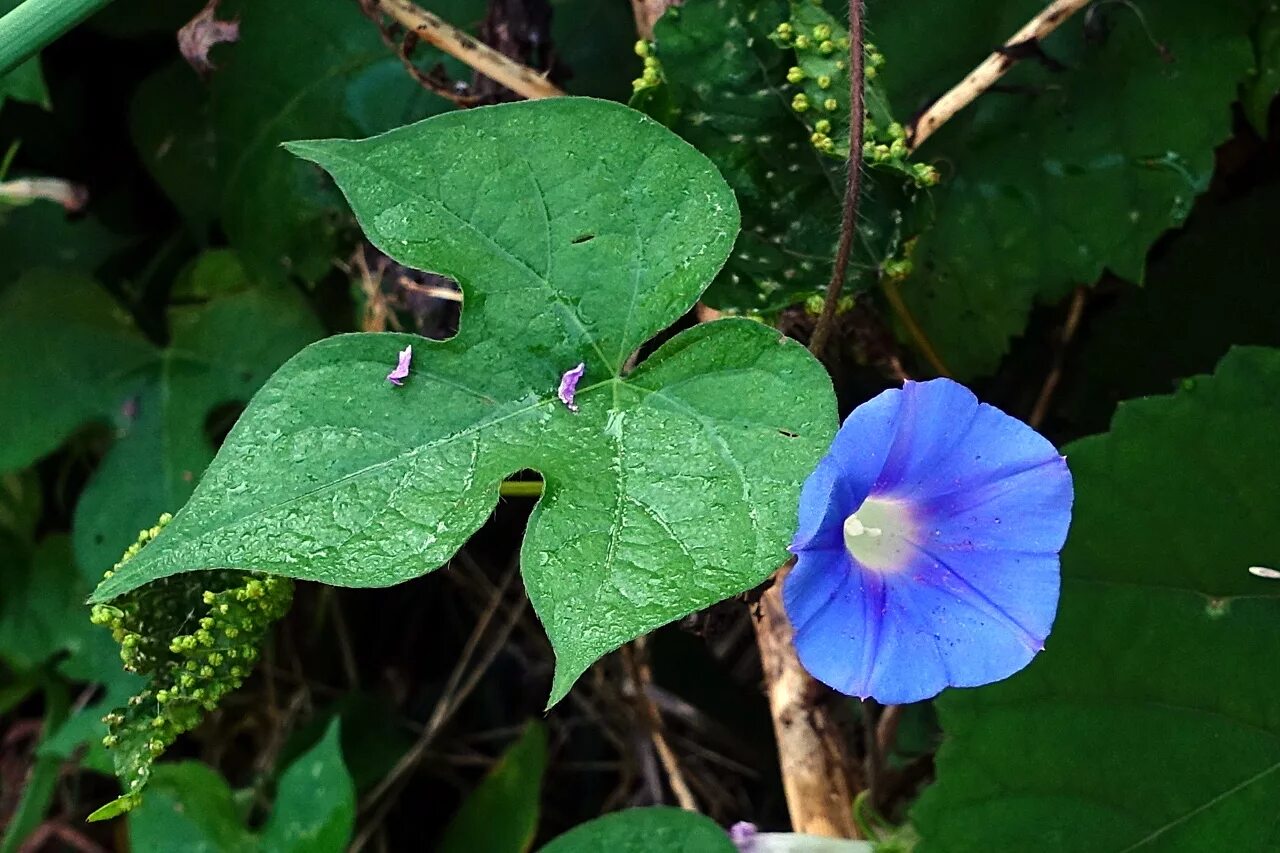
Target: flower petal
x=933, y=420
x=569, y=386
x=861, y=447
x=938, y=632
x=836, y=610
x=845, y=475
x=401, y=370
x=822, y=509
x=1028, y=511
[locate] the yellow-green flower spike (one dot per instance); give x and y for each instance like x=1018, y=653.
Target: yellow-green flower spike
x=830, y=105
x=800, y=102
x=188, y=673
x=795, y=74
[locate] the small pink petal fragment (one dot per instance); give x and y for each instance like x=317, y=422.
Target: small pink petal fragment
x=743, y=835
x=203, y=32
x=569, y=386
x=397, y=376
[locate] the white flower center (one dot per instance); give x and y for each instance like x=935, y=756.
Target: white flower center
x=879, y=534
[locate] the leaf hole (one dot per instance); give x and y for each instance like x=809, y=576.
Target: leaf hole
x=788, y=433
x=219, y=422
x=582, y=238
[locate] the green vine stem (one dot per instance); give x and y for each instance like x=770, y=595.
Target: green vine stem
x=35, y=23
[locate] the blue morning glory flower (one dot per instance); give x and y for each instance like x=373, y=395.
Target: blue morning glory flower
x=927, y=554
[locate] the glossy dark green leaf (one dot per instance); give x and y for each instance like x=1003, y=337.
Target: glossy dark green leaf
x=1260, y=90
x=1214, y=283
x=42, y=235
x=315, y=809
x=189, y=808
x=1151, y=721
x=1061, y=173
x=501, y=814
x=172, y=130
x=577, y=229
x=644, y=831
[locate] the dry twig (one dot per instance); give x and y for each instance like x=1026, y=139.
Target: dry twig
x=817, y=776
x=1069, y=327
x=635, y=658
x=422, y=25
x=992, y=69
x=462, y=681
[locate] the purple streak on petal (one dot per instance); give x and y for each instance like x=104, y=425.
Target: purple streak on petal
x=401, y=372
x=934, y=420
x=1021, y=590
x=939, y=632
x=1029, y=511
x=743, y=836
x=569, y=386
x=861, y=447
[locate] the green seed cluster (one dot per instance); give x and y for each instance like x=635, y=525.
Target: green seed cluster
x=195, y=636
x=822, y=76
x=652, y=74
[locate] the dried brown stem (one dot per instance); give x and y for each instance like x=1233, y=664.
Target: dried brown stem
x=421, y=24
x=992, y=69
x=647, y=13
x=462, y=680
x=73, y=197
x=817, y=776
x=636, y=660
x=852, y=184
x=1069, y=327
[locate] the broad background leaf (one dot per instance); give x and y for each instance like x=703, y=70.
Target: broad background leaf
x=69, y=355
x=578, y=229
x=1073, y=171
x=1150, y=722
x=1211, y=286
x=272, y=86
x=190, y=808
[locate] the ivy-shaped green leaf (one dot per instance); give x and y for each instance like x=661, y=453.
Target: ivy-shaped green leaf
x=1065, y=170
x=578, y=229
x=1152, y=719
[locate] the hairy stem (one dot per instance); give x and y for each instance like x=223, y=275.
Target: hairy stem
x=852, y=184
